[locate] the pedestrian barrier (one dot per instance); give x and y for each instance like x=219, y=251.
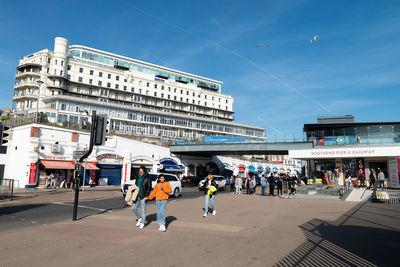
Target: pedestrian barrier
x=388, y=196
x=7, y=188
x=285, y=189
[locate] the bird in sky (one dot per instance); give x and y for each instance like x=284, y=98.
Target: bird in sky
x=262, y=45
x=314, y=39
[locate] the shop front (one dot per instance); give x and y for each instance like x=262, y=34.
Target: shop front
x=331, y=165
x=110, y=169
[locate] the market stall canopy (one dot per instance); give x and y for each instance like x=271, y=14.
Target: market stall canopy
x=90, y=166
x=252, y=168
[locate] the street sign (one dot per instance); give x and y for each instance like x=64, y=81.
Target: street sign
x=77, y=154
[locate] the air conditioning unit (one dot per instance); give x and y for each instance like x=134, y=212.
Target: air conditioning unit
x=56, y=148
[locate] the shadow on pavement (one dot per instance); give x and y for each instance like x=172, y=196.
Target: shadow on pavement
x=357, y=238
x=16, y=209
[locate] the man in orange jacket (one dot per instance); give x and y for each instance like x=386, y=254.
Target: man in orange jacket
x=161, y=193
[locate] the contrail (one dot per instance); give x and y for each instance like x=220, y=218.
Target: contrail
x=233, y=53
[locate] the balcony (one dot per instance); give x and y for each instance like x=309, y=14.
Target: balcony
x=25, y=96
x=35, y=65
x=26, y=84
x=22, y=74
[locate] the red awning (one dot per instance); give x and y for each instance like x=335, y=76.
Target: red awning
x=90, y=166
x=54, y=164
x=242, y=167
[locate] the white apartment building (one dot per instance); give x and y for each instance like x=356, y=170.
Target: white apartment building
x=139, y=98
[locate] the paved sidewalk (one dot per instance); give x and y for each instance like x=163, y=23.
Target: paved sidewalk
x=247, y=230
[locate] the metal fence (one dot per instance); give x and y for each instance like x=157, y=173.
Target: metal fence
x=388, y=196
x=7, y=188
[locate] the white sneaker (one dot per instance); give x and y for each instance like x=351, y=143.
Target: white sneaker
x=160, y=228
x=163, y=229
x=141, y=226
x=214, y=212
x=139, y=222
x=205, y=214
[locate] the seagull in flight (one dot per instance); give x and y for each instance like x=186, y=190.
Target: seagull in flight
x=314, y=39
x=262, y=45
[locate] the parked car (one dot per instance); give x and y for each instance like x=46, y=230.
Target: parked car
x=173, y=180
x=190, y=181
x=219, y=180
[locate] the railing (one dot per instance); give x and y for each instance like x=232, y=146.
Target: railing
x=7, y=188
x=388, y=196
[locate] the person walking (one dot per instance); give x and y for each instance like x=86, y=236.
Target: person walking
x=252, y=185
x=52, y=181
x=161, y=192
x=263, y=185
x=271, y=181
x=143, y=182
x=381, y=178
x=279, y=184
x=372, y=178
x=238, y=185
x=209, y=196
x=247, y=185
x=232, y=184
x=362, y=178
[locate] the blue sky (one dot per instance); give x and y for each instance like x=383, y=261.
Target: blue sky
x=353, y=68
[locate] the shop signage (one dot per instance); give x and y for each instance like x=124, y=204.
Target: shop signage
x=110, y=158
x=55, y=158
x=355, y=152
x=32, y=173
x=159, y=79
x=394, y=172
x=360, y=167
x=126, y=170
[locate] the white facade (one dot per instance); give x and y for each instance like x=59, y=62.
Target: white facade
x=139, y=98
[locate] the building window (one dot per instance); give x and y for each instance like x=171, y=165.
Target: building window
x=78, y=89
x=99, y=83
x=205, y=96
x=90, y=91
x=140, y=91
x=68, y=76
x=91, y=72
x=227, y=101
x=100, y=74
x=155, y=93
x=61, y=73
x=80, y=79
x=205, y=104
x=193, y=94
x=162, y=95
x=117, y=86
x=174, y=90
x=132, y=89
x=109, y=76
x=48, y=61
x=63, y=106
x=125, y=80
x=117, y=78
x=62, y=62
x=148, y=84
x=90, y=81
x=56, y=61
x=155, y=86
x=162, y=87
x=187, y=92
x=108, y=85
x=169, y=97
x=125, y=88
x=181, y=98
x=181, y=91
x=81, y=70
x=193, y=101
x=175, y=97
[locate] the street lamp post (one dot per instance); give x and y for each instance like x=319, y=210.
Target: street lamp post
x=39, y=82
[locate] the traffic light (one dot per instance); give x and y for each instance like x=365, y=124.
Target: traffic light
x=100, y=131
x=78, y=166
x=3, y=134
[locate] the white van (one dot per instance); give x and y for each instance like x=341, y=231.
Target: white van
x=173, y=180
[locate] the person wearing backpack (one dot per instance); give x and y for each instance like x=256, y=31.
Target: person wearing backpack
x=161, y=193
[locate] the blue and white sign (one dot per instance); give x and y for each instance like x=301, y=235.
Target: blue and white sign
x=224, y=139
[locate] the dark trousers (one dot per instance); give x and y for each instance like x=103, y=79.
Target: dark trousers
x=271, y=189
x=232, y=188
x=279, y=189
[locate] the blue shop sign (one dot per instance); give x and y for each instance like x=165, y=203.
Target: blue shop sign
x=159, y=79
x=224, y=139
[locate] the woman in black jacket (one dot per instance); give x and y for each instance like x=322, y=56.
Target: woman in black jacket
x=144, y=183
x=207, y=184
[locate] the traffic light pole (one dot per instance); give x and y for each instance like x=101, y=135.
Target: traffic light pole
x=76, y=180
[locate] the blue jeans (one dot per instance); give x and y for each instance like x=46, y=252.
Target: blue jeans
x=135, y=207
x=161, y=211
x=206, y=203
x=263, y=187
